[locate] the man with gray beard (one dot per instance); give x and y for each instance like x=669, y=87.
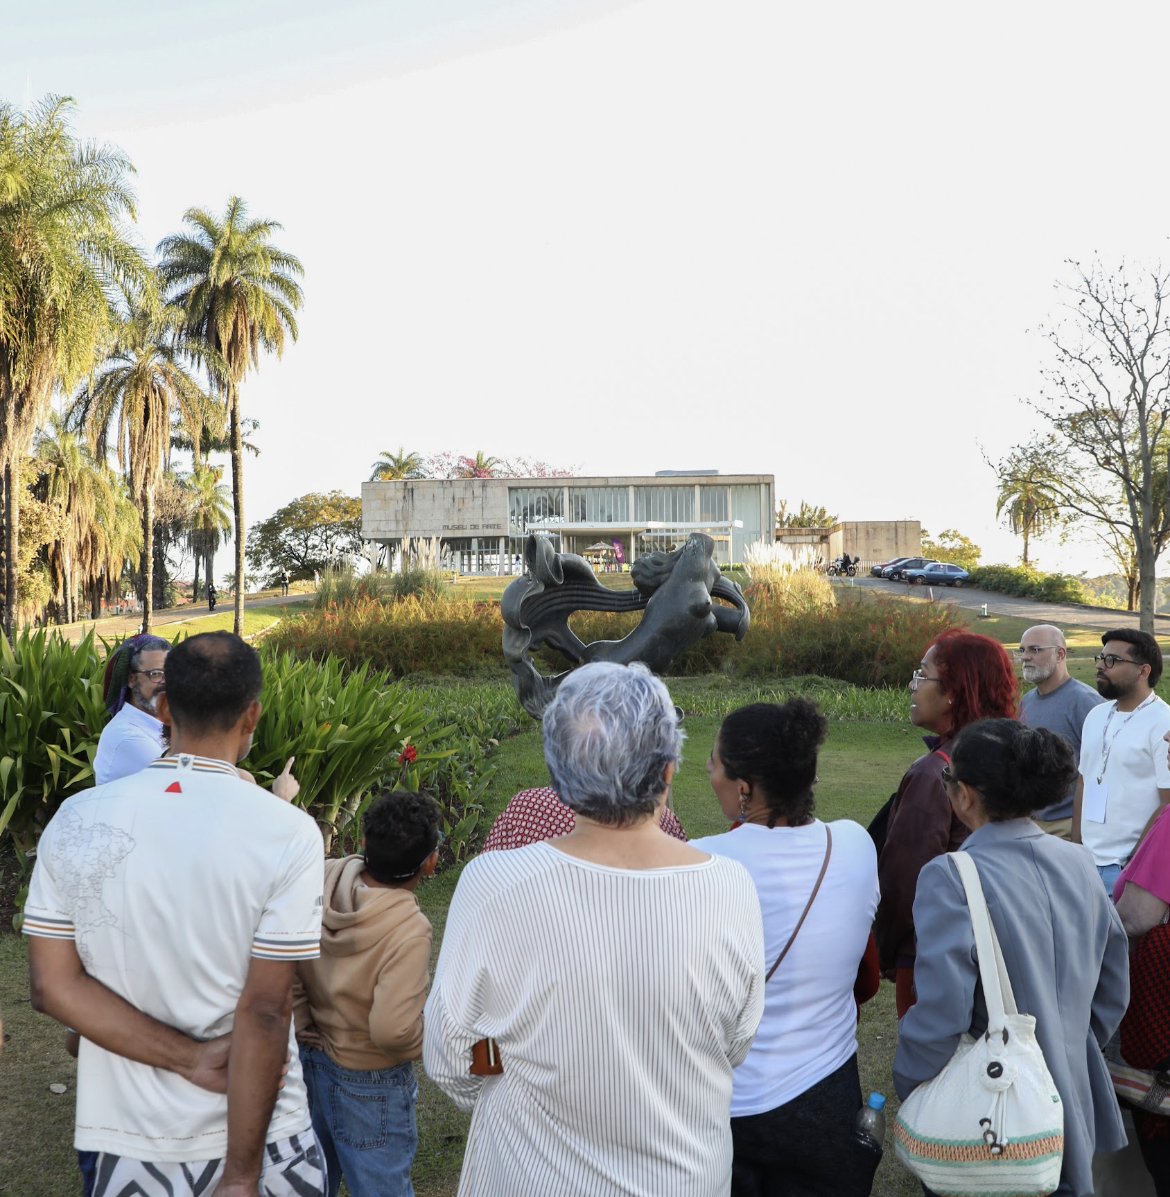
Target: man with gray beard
x=1059, y=702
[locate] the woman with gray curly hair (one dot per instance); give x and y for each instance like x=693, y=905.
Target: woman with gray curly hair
x=615, y=972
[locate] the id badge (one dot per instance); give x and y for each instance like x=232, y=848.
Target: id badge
x=1094, y=800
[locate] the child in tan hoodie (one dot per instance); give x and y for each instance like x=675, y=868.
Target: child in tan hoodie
x=358, y=1007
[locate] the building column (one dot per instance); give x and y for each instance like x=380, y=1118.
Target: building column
x=500, y=559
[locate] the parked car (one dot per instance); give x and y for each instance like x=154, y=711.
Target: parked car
x=940, y=573
x=875, y=571
x=896, y=571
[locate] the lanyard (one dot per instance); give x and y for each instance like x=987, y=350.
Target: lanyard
x=1106, y=749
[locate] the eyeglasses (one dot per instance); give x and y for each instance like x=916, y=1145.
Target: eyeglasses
x=408, y=876
x=1111, y=659
x=155, y=675
x=948, y=778
x=918, y=677
x=1032, y=649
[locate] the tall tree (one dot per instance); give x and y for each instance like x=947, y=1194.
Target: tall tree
x=807, y=517
x=1106, y=396
x=81, y=488
x=1026, y=499
x=65, y=256
x=239, y=295
x=129, y=405
x=397, y=467
x=308, y=534
x=210, y=521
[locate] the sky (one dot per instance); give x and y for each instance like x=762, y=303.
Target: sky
x=816, y=241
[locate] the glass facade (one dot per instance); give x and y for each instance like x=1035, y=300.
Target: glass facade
x=748, y=504
x=599, y=505
x=664, y=504
x=534, y=505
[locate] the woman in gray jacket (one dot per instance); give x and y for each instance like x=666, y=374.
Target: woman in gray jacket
x=1063, y=943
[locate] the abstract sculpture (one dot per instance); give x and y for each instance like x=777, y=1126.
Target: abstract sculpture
x=676, y=590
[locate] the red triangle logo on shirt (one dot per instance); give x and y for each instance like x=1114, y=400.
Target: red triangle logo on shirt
x=173, y=788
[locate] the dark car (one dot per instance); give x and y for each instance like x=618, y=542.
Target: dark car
x=896, y=571
x=875, y=571
x=940, y=573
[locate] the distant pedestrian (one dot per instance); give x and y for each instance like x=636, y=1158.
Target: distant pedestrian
x=211, y=596
x=358, y=1007
x=131, y=689
x=1124, y=780
x=1059, y=702
x=316, y=580
x=283, y=582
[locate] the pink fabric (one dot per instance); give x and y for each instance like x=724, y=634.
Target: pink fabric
x=1149, y=866
x=539, y=814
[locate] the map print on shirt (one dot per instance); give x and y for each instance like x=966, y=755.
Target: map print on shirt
x=84, y=859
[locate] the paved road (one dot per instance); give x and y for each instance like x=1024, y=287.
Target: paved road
x=128, y=625
x=1006, y=604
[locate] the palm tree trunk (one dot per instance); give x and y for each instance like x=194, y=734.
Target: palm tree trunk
x=195, y=584
x=1025, y=548
x=237, y=506
x=147, y=559
x=11, y=544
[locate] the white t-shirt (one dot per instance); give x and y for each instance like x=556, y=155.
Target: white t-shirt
x=1133, y=774
x=809, y=1027
x=170, y=881
x=128, y=743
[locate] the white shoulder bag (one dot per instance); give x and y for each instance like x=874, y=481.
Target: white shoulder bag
x=992, y=1121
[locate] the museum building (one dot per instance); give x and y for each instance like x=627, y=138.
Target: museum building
x=483, y=523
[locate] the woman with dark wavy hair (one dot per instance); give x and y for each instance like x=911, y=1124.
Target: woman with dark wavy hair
x=963, y=677
x=1063, y=942
x=796, y=1096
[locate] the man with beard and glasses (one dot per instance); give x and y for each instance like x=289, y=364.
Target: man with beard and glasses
x=1124, y=777
x=1058, y=702
x=133, y=683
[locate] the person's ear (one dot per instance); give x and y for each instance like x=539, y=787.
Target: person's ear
x=668, y=774
x=163, y=709
x=430, y=864
x=251, y=718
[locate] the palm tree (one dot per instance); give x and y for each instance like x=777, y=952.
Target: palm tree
x=82, y=491
x=479, y=466
x=1025, y=494
x=239, y=295
x=210, y=522
x=130, y=403
x=64, y=255
x=114, y=537
x=397, y=467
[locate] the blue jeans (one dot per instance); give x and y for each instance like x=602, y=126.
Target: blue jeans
x=365, y=1124
x=1109, y=875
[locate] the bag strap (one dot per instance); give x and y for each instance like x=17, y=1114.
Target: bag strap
x=808, y=904
x=997, y=985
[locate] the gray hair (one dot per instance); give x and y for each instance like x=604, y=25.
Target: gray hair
x=609, y=735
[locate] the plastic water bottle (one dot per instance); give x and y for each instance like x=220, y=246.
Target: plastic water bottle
x=870, y=1127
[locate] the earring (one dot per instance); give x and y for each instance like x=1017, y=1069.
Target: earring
x=742, y=807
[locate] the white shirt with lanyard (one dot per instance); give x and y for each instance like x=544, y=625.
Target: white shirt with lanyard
x=1121, y=788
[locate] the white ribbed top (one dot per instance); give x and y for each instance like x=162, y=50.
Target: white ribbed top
x=621, y=1000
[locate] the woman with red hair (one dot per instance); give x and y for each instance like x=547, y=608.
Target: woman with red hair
x=963, y=677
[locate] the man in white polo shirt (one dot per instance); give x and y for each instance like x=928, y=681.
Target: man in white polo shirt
x=166, y=910
x=1125, y=780
x=133, y=685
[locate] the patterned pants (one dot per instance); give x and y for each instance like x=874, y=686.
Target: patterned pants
x=293, y=1167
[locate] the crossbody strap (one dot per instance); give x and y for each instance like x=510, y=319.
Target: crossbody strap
x=997, y=985
x=808, y=904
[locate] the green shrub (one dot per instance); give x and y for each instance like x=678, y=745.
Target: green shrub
x=1026, y=582
x=51, y=715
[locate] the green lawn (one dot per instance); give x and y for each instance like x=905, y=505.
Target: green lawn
x=859, y=768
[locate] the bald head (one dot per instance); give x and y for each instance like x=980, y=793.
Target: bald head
x=1044, y=634
x=1042, y=656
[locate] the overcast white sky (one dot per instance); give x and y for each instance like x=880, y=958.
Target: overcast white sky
x=632, y=235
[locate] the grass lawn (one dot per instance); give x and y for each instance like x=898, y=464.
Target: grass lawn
x=859, y=768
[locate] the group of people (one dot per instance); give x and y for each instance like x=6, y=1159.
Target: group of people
x=623, y=1010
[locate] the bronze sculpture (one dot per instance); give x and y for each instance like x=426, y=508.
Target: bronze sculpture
x=675, y=590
